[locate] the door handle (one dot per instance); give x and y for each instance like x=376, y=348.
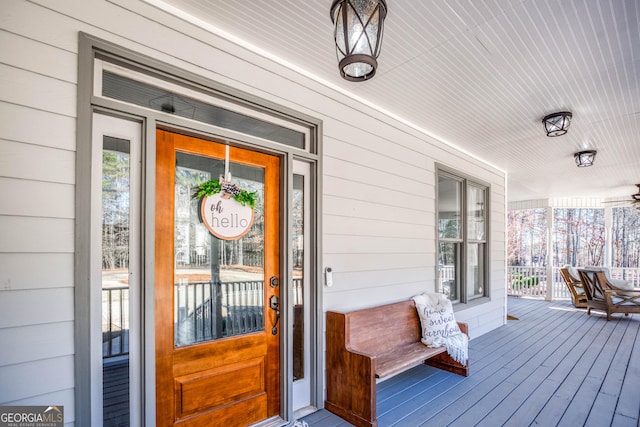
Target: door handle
x=274, y=304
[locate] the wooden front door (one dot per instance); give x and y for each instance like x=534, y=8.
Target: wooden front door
x=216, y=300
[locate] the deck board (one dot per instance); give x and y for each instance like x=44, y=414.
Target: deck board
x=554, y=366
x=116, y=394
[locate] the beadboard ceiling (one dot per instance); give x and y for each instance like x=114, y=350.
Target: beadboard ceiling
x=480, y=75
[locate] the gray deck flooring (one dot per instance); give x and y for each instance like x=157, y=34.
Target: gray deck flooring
x=116, y=394
x=555, y=366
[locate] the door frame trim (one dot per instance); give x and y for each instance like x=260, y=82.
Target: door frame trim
x=90, y=48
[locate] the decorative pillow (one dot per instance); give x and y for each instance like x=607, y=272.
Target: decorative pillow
x=626, y=285
x=572, y=271
x=439, y=326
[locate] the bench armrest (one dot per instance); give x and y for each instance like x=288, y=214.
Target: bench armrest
x=351, y=382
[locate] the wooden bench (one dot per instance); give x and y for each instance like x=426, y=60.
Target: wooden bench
x=372, y=343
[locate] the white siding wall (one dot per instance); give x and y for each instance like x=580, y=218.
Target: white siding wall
x=378, y=181
x=37, y=175
x=557, y=203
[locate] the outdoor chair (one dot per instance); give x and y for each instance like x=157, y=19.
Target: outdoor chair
x=574, y=284
x=602, y=295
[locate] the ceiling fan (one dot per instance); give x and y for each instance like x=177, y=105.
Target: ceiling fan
x=634, y=201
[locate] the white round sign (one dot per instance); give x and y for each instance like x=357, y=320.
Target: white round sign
x=225, y=218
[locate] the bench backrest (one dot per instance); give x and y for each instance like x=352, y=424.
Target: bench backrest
x=384, y=328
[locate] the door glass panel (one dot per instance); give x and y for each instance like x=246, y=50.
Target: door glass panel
x=298, y=276
x=115, y=280
x=219, y=284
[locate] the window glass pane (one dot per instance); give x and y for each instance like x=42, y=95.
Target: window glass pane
x=475, y=270
x=449, y=207
x=219, y=284
x=448, y=270
x=578, y=236
x=527, y=232
x=475, y=213
x=144, y=95
x=625, y=236
x=115, y=280
x=298, y=276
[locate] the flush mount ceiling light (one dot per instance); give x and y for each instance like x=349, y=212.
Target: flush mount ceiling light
x=585, y=158
x=557, y=124
x=636, y=197
x=358, y=36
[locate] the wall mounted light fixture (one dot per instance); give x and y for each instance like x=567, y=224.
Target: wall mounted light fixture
x=585, y=158
x=358, y=26
x=557, y=124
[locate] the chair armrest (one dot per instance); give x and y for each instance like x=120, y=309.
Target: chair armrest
x=627, y=299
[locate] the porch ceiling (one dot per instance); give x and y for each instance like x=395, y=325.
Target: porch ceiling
x=480, y=75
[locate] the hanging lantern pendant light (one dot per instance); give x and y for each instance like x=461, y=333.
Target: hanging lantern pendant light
x=358, y=36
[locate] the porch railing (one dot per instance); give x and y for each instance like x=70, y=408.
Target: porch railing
x=533, y=281
x=527, y=281
x=209, y=310
x=242, y=297
x=115, y=321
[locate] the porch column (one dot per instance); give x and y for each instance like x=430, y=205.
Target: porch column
x=550, y=254
x=608, y=234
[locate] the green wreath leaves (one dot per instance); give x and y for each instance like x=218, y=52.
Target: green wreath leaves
x=209, y=188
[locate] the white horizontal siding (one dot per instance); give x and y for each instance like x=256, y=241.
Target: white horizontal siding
x=575, y=203
x=377, y=261
x=34, y=90
x=346, y=283
x=354, y=169
x=37, y=198
x=40, y=24
x=38, y=57
x=358, y=226
x=23, y=124
x=18, y=160
x=26, y=234
x=559, y=202
x=36, y=342
x=37, y=177
x=37, y=270
x=352, y=299
x=27, y=380
x=343, y=206
x=370, y=141
x=382, y=191
x=35, y=306
x=349, y=244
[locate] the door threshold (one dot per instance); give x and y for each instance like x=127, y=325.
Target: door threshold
x=270, y=422
x=303, y=412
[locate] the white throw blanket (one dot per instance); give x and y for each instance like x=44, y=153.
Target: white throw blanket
x=439, y=326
